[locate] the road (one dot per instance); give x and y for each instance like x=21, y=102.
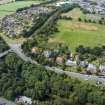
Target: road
x=76, y=75
x=5, y=102
x=16, y=48
x=4, y=53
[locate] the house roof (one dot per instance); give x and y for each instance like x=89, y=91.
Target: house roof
x=60, y=59
x=34, y=50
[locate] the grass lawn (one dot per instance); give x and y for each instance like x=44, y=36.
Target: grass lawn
x=10, y=8
x=12, y=40
x=74, y=34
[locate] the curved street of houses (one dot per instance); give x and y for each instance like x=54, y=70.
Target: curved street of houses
x=16, y=48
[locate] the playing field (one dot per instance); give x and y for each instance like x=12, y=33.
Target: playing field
x=78, y=33
x=7, y=9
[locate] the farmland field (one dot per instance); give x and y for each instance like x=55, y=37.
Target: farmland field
x=9, y=8
x=78, y=33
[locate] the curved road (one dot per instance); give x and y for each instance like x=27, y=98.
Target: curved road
x=16, y=48
x=4, y=53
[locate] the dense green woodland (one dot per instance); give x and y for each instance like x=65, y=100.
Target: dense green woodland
x=47, y=88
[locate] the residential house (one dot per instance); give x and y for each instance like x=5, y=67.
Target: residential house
x=34, y=50
x=60, y=60
x=102, y=68
x=83, y=64
x=71, y=63
x=47, y=53
x=24, y=100
x=92, y=68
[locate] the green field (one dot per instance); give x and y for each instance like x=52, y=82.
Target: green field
x=10, y=8
x=75, y=34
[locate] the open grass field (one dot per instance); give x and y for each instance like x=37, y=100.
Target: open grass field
x=10, y=8
x=77, y=33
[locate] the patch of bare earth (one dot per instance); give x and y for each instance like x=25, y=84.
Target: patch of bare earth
x=84, y=26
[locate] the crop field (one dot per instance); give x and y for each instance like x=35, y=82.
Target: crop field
x=10, y=8
x=78, y=33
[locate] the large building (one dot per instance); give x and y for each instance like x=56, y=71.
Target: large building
x=5, y=1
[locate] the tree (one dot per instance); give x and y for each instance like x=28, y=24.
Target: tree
x=79, y=19
x=100, y=22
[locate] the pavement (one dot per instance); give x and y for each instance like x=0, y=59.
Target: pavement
x=3, y=101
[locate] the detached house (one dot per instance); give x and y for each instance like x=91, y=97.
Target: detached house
x=102, y=68
x=60, y=60
x=34, y=50
x=24, y=100
x=92, y=68
x=47, y=53
x=71, y=63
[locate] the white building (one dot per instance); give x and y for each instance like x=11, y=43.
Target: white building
x=24, y=100
x=47, y=53
x=91, y=68
x=102, y=68
x=71, y=63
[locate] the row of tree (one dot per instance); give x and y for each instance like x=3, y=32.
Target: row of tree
x=91, y=21
x=91, y=54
